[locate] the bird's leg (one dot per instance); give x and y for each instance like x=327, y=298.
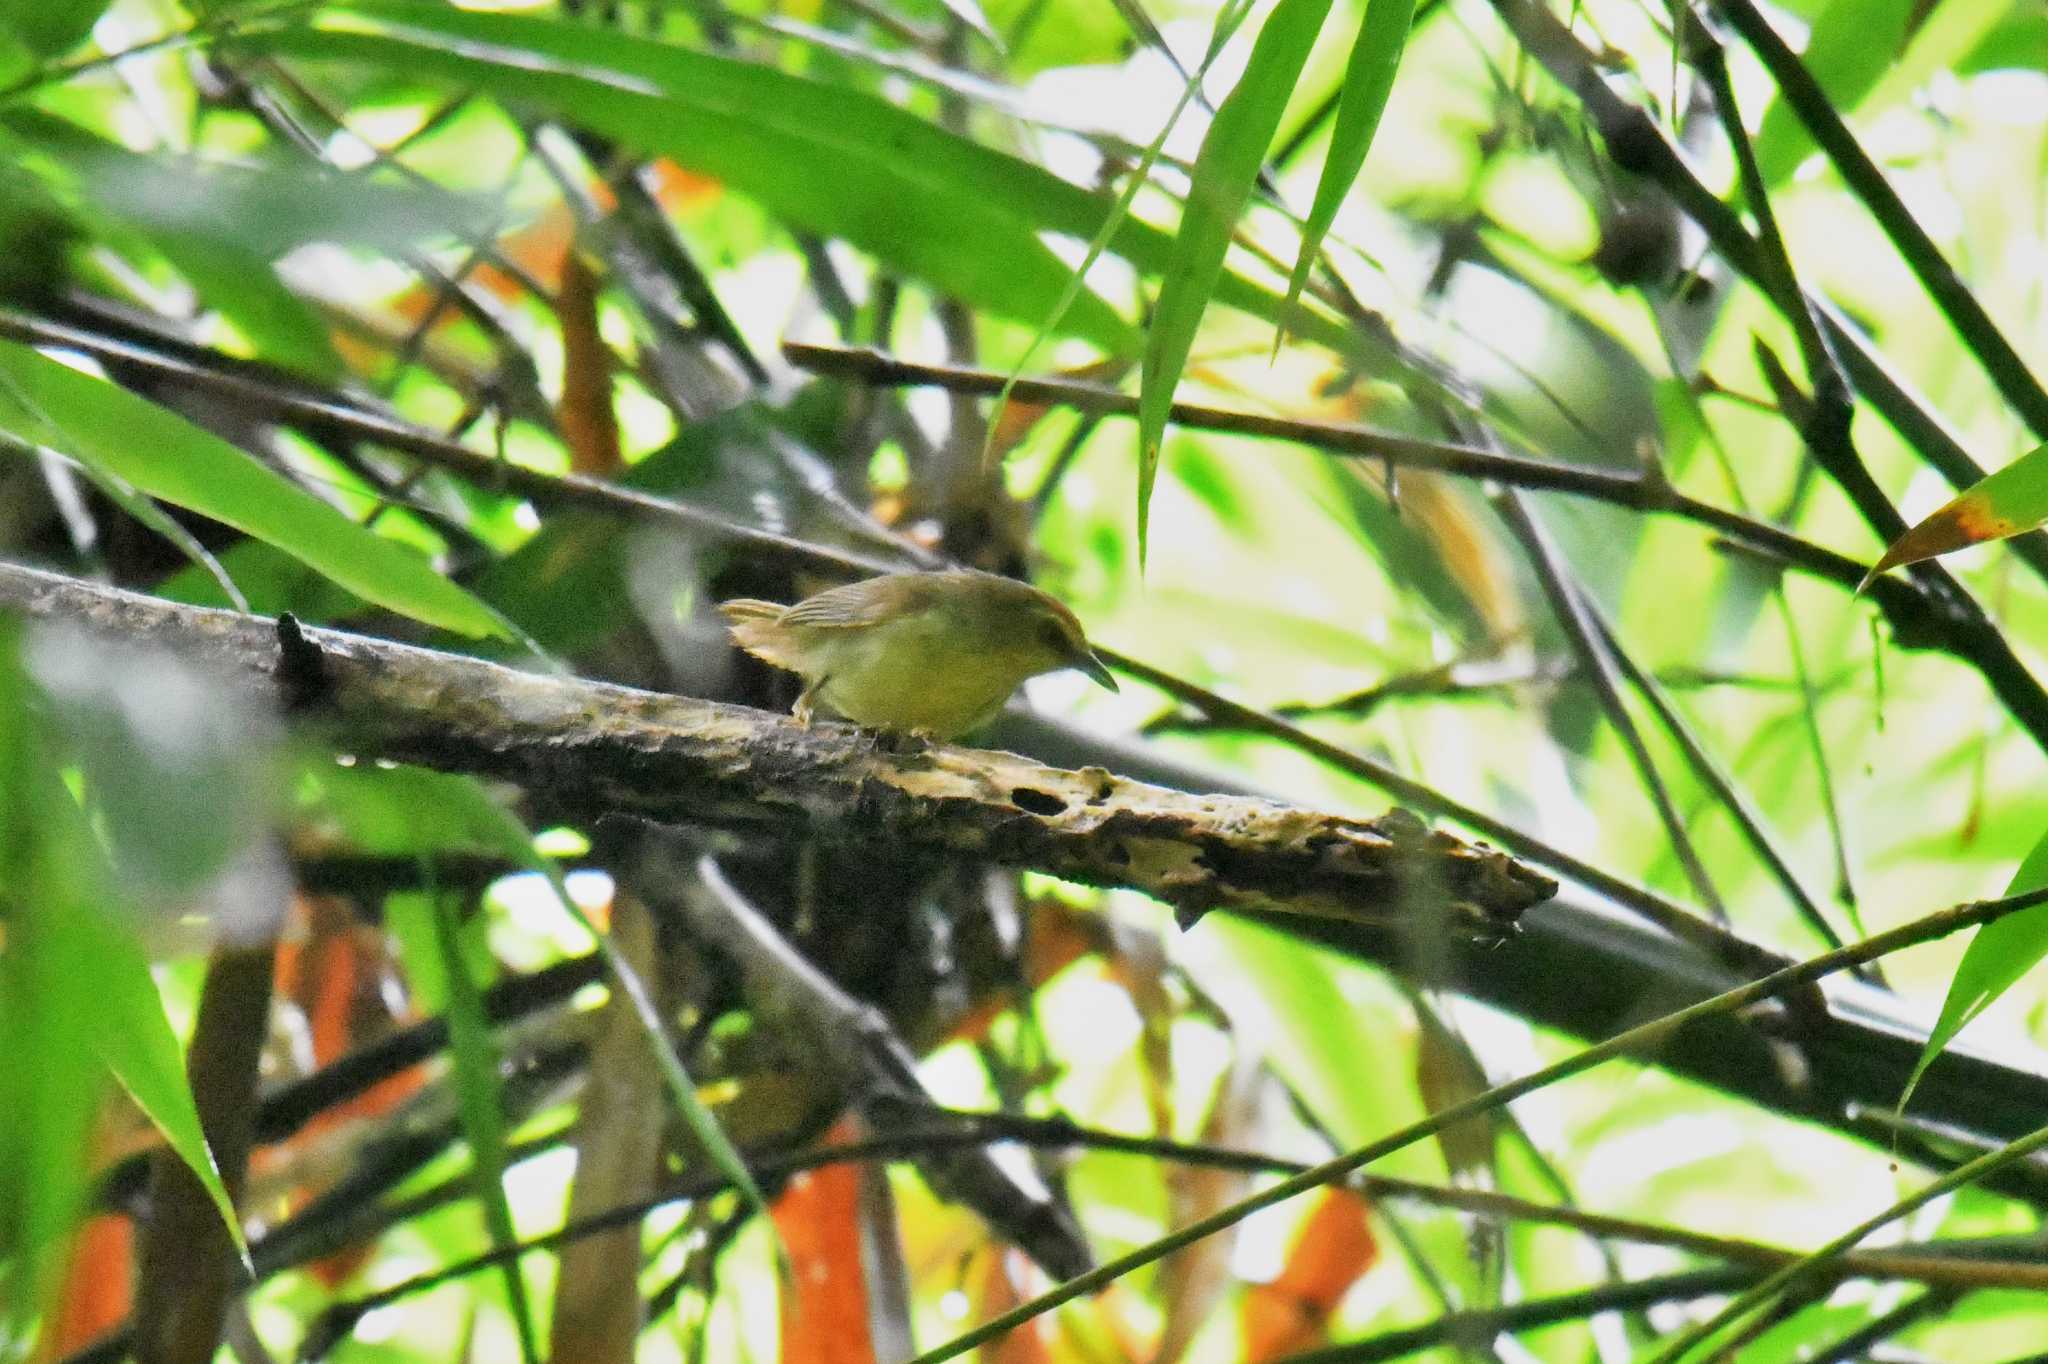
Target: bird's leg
x=805, y=701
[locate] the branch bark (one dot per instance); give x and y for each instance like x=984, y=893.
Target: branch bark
x=591, y=748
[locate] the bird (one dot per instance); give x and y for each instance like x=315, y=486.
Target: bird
x=932, y=654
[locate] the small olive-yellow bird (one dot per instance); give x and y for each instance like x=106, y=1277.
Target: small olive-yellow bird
x=935, y=654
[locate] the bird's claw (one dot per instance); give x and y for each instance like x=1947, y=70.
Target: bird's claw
x=897, y=742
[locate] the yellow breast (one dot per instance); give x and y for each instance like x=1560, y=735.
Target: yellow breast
x=913, y=674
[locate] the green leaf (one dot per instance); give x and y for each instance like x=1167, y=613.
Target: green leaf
x=1368, y=79
x=466, y=815
x=77, y=1000
x=47, y=1069
x=258, y=208
x=183, y=540
x=1998, y=955
x=835, y=161
x=134, y=1038
x=158, y=452
x=241, y=286
x=1228, y=19
x=1224, y=172
x=2020, y=40
x=1852, y=44
x=480, y=1098
x=50, y=28
x=2009, y=502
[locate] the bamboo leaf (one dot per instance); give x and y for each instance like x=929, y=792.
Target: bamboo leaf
x=2009, y=502
x=133, y=1038
x=833, y=160
x=50, y=28
x=1998, y=956
x=75, y=988
x=480, y=1099
x=1228, y=19
x=1368, y=79
x=466, y=814
x=45, y=403
x=1224, y=172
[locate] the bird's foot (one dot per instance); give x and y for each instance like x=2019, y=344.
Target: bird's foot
x=897, y=742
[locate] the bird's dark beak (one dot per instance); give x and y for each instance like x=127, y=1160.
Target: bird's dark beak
x=1093, y=667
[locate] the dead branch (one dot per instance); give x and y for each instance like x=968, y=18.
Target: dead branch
x=593, y=747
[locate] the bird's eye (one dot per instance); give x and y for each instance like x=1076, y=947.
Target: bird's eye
x=1053, y=637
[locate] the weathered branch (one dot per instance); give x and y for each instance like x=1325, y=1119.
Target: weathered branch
x=594, y=747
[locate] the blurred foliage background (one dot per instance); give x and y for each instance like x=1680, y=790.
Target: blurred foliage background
x=1636, y=338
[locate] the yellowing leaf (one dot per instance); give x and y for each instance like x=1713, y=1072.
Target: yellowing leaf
x=2010, y=502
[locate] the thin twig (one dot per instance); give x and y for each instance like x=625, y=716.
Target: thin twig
x=1459, y=1327
x=1861, y=1341
x=1745, y=816
x=1926, y=929
x=1596, y=662
x=1637, y=145
x=1820, y=1263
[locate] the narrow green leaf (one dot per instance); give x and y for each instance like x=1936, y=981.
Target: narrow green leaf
x=255, y=209
x=2006, y=503
x=1228, y=19
x=76, y=994
x=45, y=403
x=1224, y=173
x=463, y=809
x=1998, y=955
x=1368, y=79
x=242, y=287
x=833, y=160
x=133, y=1037
x=47, y=1069
x=2018, y=41
x=480, y=1099
x=837, y=160
x=157, y=519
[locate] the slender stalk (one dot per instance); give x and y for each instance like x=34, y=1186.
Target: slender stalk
x=928, y=1130
x=1746, y=817
x=1791, y=1275
x=1456, y=1328
x=1937, y=925
x=1596, y=661
x=1875, y=1332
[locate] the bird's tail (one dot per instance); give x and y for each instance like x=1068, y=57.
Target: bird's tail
x=756, y=626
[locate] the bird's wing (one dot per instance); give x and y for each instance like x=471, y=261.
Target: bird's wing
x=864, y=603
